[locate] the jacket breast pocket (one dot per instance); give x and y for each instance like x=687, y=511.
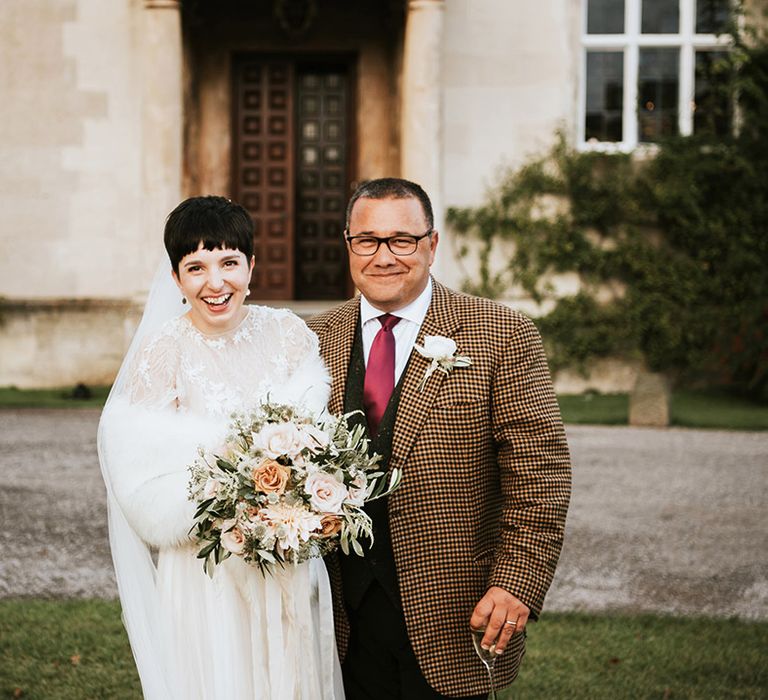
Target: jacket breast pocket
x=459, y=426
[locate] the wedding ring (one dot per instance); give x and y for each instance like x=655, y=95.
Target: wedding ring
x=511, y=622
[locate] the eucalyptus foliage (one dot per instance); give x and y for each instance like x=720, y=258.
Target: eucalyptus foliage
x=671, y=249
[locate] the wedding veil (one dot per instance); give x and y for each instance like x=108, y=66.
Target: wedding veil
x=134, y=568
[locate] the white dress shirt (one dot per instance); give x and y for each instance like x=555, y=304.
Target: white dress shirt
x=405, y=332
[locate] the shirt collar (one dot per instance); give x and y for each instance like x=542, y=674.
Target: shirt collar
x=414, y=312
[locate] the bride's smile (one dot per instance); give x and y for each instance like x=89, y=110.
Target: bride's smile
x=215, y=282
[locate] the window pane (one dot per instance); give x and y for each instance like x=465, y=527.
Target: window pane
x=605, y=95
x=712, y=16
x=605, y=17
x=657, y=93
x=661, y=17
x=713, y=111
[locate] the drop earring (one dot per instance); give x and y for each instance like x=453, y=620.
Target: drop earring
x=247, y=292
x=183, y=300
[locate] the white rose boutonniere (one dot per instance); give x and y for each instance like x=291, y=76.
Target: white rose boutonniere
x=442, y=352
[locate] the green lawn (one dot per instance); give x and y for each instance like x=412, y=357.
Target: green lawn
x=691, y=409
x=76, y=650
x=68, y=650
x=589, y=657
x=595, y=409
x=11, y=397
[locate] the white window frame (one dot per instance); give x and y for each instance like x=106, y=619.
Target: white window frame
x=630, y=43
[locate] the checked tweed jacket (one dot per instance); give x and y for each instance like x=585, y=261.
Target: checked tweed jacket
x=486, y=480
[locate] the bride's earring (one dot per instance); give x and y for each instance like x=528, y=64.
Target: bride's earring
x=183, y=300
x=247, y=292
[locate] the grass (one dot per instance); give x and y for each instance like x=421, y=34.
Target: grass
x=11, y=397
x=595, y=409
x=703, y=409
x=68, y=650
x=589, y=657
x=76, y=650
x=691, y=409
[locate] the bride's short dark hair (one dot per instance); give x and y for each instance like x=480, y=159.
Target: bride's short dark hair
x=216, y=222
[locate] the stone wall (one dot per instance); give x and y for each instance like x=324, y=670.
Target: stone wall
x=70, y=173
x=60, y=343
x=510, y=81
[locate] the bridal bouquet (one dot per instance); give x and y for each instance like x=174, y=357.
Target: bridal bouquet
x=285, y=487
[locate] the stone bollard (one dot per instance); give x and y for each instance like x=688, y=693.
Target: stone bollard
x=649, y=400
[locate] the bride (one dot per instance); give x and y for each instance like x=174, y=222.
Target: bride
x=239, y=634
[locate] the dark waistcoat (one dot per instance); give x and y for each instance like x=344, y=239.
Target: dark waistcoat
x=378, y=564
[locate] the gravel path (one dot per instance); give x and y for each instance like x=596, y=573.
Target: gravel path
x=661, y=520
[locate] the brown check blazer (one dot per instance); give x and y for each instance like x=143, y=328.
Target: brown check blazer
x=486, y=480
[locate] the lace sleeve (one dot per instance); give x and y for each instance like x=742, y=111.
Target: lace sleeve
x=308, y=381
x=298, y=341
x=152, y=379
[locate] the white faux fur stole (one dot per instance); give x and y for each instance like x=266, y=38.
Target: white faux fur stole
x=147, y=452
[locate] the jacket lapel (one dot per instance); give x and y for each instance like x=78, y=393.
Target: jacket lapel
x=415, y=404
x=337, y=351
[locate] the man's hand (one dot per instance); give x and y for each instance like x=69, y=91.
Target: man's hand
x=495, y=613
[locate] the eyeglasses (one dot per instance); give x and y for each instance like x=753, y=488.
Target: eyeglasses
x=401, y=244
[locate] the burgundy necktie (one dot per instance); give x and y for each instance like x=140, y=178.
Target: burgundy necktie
x=380, y=373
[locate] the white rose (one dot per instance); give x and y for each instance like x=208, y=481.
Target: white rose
x=437, y=347
x=210, y=488
x=276, y=439
x=232, y=538
x=357, y=490
x=326, y=492
x=314, y=438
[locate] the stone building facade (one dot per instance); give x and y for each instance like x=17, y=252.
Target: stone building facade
x=115, y=110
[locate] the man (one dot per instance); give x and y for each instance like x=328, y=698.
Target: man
x=473, y=533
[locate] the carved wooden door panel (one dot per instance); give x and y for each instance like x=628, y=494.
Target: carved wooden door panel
x=321, y=181
x=290, y=170
x=263, y=168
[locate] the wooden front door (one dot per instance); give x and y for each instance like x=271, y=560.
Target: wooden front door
x=291, y=171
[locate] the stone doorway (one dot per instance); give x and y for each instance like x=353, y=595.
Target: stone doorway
x=288, y=123
x=291, y=150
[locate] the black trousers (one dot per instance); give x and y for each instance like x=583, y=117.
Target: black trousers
x=380, y=663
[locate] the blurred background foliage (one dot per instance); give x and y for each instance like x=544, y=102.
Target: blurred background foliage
x=670, y=248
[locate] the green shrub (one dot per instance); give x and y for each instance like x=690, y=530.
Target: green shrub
x=671, y=251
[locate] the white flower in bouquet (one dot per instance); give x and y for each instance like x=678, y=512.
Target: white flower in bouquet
x=210, y=488
x=278, y=439
x=293, y=524
x=313, y=438
x=326, y=492
x=232, y=538
x=357, y=488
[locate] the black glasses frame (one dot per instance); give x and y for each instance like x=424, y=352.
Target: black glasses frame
x=386, y=241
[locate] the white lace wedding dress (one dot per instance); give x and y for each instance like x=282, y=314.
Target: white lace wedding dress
x=239, y=635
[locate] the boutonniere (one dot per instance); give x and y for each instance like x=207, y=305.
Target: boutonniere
x=442, y=352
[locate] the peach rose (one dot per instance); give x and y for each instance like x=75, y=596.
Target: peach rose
x=330, y=525
x=232, y=538
x=270, y=476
